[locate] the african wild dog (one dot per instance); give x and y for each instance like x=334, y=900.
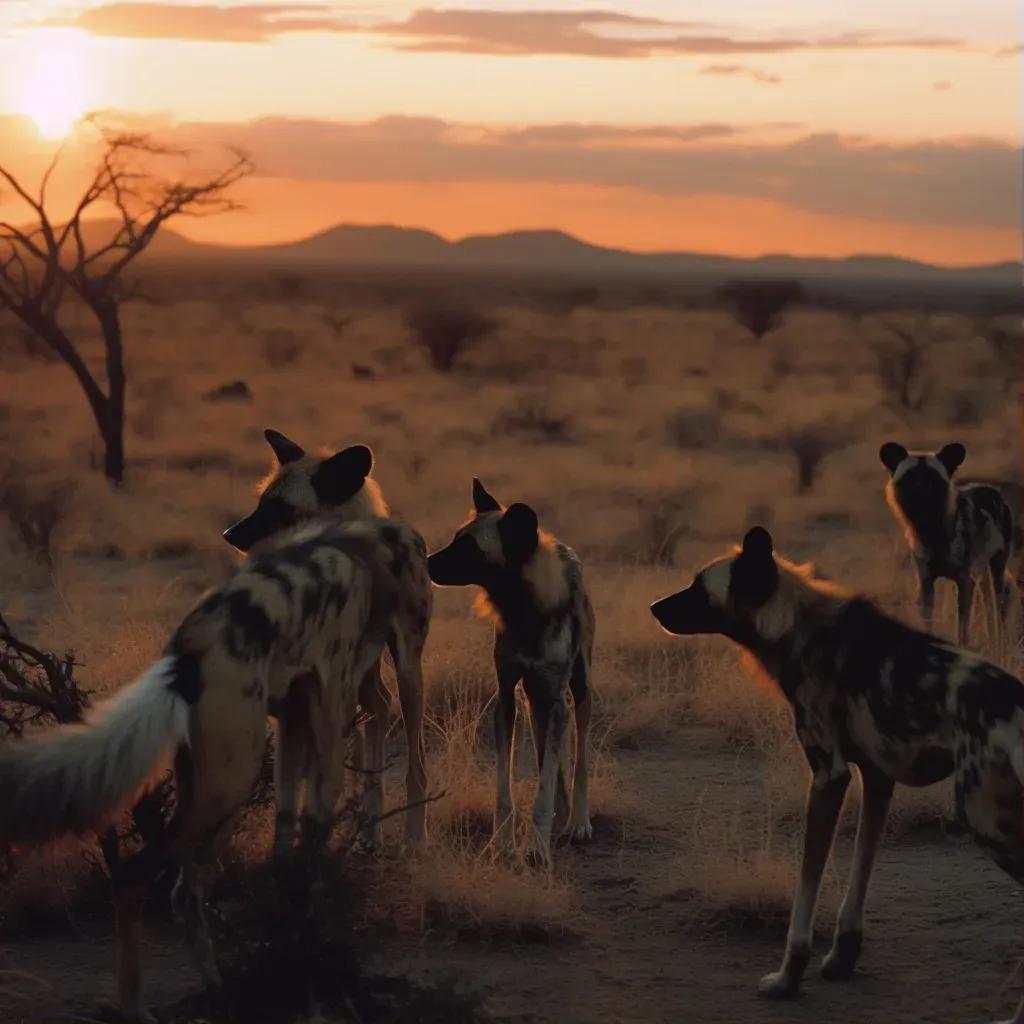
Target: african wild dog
x=532, y=585
x=954, y=532
x=901, y=704
x=338, y=487
x=325, y=600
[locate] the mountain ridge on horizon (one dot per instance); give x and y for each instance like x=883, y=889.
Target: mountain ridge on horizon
x=546, y=249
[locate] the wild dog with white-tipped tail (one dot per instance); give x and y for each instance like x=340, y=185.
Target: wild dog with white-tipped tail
x=532, y=585
x=323, y=599
x=901, y=704
x=337, y=487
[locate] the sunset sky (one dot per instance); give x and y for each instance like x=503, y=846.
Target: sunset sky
x=809, y=126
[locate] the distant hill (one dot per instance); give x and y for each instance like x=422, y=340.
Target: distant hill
x=387, y=246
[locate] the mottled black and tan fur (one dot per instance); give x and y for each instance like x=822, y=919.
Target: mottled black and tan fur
x=324, y=600
x=865, y=689
x=532, y=585
x=337, y=487
x=954, y=532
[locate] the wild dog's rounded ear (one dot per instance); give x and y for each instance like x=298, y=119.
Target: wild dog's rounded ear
x=519, y=532
x=952, y=456
x=892, y=454
x=340, y=477
x=754, y=575
x=482, y=501
x=285, y=451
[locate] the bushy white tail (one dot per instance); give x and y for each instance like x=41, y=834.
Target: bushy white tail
x=72, y=778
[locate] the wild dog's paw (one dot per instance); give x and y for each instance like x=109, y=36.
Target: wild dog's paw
x=138, y=1015
x=581, y=832
x=779, y=985
x=538, y=855
x=842, y=958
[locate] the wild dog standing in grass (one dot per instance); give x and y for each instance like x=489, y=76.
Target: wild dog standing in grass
x=954, y=532
x=325, y=600
x=865, y=689
x=338, y=487
x=532, y=584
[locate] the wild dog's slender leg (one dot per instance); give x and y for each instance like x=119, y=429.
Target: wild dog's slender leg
x=128, y=904
x=406, y=647
x=964, y=600
x=926, y=597
x=1001, y=588
x=989, y=795
x=505, y=710
x=375, y=699
x=557, y=721
x=579, y=684
x=197, y=928
x=540, y=709
x=824, y=802
x=876, y=796
x=292, y=740
x=327, y=770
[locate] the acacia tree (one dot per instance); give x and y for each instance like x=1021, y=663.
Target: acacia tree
x=44, y=262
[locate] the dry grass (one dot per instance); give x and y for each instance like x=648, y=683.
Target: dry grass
x=682, y=434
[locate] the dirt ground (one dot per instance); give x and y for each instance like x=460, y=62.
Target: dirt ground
x=647, y=439
x=943, y=933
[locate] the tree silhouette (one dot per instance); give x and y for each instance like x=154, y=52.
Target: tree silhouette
x=758, y=303
x=44, y=262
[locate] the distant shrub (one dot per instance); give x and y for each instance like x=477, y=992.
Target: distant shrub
x=902, y=366
x=282, y=348
x=35, y=508
x=809, y=447
x=758, y=303
x=532, y=416
x=445, y=332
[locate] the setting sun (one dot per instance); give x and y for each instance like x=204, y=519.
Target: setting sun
x=53, y=89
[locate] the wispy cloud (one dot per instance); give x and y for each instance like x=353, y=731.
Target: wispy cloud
x=587, y=33
x=252, y=23
x=741, y=69
x=964, y=183
x=611, y=35
x=942, y=86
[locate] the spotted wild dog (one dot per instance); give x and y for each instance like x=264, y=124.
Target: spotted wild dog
x=954, y=532
x=532, y=585
x=324, y=599
x=337, y=486
x=901, y=704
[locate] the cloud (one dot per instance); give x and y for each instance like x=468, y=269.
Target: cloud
x=609, y=34
x=972, y=183
x=252, y=23
x=587, y=33
x=942, y=86
x=741, y=69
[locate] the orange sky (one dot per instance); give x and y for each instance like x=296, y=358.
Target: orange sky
x=815, y=127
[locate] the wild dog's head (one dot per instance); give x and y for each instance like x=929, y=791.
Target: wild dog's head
x=500, y=549
x=302, y=487
x=751, y=595
x=920, y=487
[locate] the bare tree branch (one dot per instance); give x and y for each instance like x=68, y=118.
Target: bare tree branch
x=41, y=262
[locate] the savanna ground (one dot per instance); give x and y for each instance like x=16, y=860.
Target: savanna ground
x=648, y=438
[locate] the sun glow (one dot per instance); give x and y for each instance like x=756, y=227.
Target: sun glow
x=54, y=83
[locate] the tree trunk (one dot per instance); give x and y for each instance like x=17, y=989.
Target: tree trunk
x=112, y=427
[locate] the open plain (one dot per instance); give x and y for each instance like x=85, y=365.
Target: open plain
x=648, y=437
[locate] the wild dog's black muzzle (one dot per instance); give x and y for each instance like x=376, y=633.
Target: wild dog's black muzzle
x=268, y=518
x=457, y=565
x=689, y=612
